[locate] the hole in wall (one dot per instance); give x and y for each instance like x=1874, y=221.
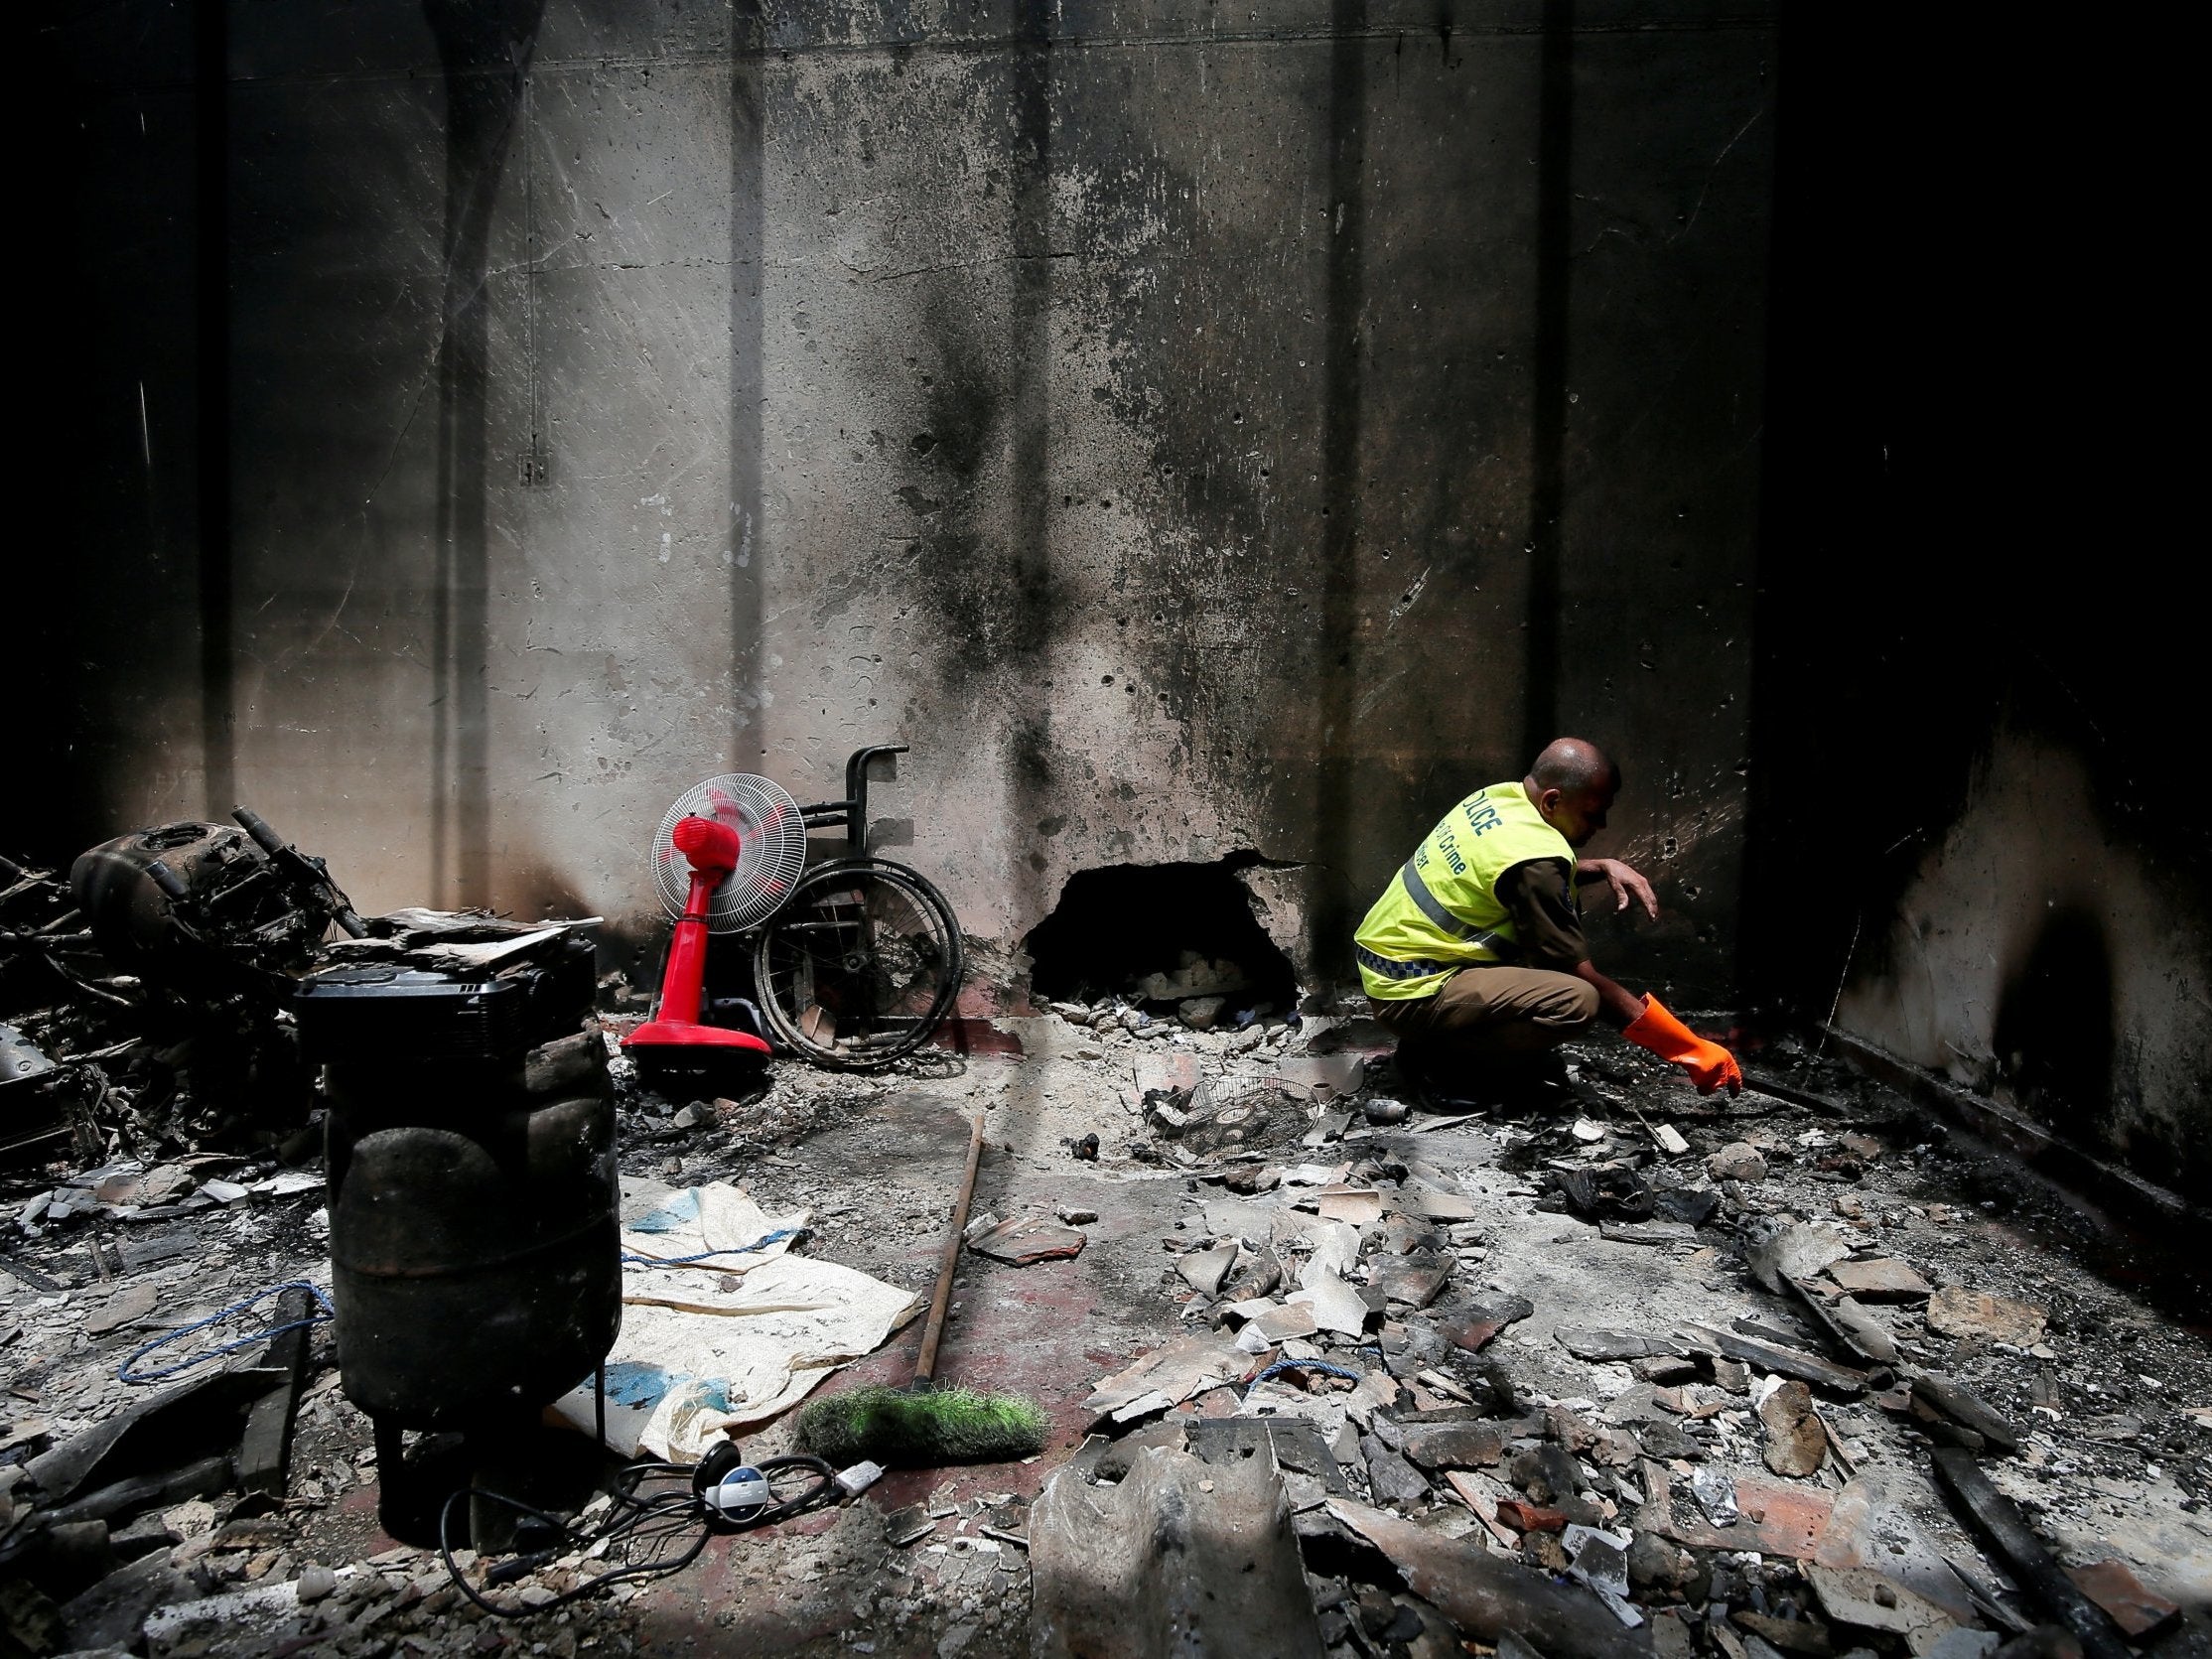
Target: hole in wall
x=1157, y=935
x=2054, y=1035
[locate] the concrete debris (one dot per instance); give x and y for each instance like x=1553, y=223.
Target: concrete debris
x=1335, y=1305
x=1795, y=1250
x=1487, y=1598
x=1737, y=1161
x=1650, y=1434
x=1167, y=1376
x=1204, y=1270
x=1178, y=1557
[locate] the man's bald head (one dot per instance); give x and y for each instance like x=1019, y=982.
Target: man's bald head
x=1572, y=765
x=1573, y=784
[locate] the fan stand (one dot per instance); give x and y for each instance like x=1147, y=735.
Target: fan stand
x=674, y=1034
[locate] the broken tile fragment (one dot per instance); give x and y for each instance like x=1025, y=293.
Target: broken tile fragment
x=1954, y=1312
x=1795, y=1442
x=1358, y=1205
x=2114, y=1586
x=1170, y=1374
x=1486, y=1318
x=1881, y=1279
x=1029, y=1239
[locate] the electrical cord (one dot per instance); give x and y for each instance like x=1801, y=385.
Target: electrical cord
x=1320, y=1366
x=633, y=1258
x=657, y=1522
x=124, y=1373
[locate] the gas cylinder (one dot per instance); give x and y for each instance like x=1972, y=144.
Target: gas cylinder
x=475, y=1246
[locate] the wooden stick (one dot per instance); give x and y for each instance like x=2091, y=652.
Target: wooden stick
x=926, y=1367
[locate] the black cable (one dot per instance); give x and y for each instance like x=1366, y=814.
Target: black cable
x=653, y=1520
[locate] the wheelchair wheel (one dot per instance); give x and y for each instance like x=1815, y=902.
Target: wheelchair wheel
x=860, y=967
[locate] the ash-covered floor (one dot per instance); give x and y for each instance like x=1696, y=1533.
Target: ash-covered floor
x=1548, y=1340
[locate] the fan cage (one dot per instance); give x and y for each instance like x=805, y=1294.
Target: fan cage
x=772, y=850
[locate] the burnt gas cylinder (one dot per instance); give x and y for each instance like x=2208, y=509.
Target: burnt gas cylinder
x=474, y=1248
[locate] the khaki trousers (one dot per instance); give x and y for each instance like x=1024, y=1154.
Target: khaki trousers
x=1490, y=1013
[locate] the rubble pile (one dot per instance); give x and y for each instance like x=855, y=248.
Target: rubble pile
x=1800, y=1473
x=1638, y=1372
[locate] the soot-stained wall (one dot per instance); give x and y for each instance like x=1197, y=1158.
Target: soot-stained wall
x=1977, y=737
x=1194, y=429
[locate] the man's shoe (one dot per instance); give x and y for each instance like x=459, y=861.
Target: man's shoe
x=1535, y=1084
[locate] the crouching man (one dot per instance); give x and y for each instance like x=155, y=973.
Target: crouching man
x=1475, y=957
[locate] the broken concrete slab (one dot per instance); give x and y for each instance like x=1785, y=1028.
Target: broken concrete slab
x=1777, y=1254
x=1867, y=1527
x=1959, y=1313
x=125, y=1307
x=1336, y=1252
x=1181, y=1556
x=1029, y=1239
x=1865, y=1596
x=1205, y=1270
x=1454, y=1446
x=1170, y=1375
x=1293, y=1443
x=1336, y=1305
x=1285, y=1322
x=1488, y=1598
x=1880, y=1279
x=1600, y=1346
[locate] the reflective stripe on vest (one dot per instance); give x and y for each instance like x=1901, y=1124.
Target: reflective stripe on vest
x=1430, y=905
x=1398, y=970
x=1441, y=912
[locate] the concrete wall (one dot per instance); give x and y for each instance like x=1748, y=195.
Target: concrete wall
x=1191, y=429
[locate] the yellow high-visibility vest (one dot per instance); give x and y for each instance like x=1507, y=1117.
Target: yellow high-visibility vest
x=1440, y=912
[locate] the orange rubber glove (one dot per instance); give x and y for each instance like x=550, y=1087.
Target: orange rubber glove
x=1710, y=1065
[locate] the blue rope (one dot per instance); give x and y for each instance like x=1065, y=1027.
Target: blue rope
x=775, y=1237
x=124, y=1372
x=1320, y=1366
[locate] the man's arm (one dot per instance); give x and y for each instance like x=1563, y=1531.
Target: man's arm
x=1619, y=1005
x=1624, y=881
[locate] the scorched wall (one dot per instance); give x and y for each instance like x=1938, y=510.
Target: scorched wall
x=1191, y=428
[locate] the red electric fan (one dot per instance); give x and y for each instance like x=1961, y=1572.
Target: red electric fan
x=725, y=858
